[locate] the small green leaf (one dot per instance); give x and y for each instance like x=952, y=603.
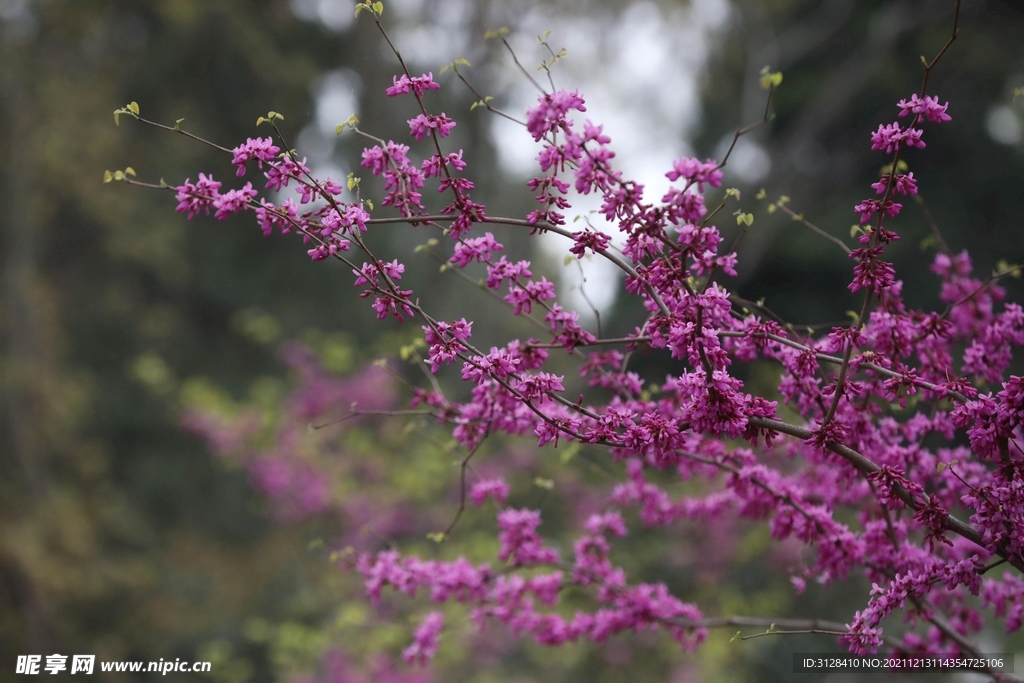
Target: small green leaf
x=378, y=8
x=338, y=128
x=940, y=467
x=738, y=636
x=770, y=79
x=107, y=176
x=798, y=217
x=569, y=258
x=369, y=203
x=129, y=171
x=437, y=536
x=177, y=125
x=544, y=483
x=733, y=192
x=133, y=107
x=272, y=117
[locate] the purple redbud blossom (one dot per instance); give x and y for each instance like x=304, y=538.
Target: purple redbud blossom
x=928, y=106
x=416, y=84
x=495, y=489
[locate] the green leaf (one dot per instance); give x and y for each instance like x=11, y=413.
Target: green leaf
x=107, y=176
x=733, y=192
x=177, y=125
x=770, y=79
x=133, y=107
x=569, y=258
x=425, y=246
x=378, y=8
x=437, y=536
x=761, y=194
x=544, y=483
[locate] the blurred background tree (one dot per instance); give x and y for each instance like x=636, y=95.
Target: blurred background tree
x=119, y=534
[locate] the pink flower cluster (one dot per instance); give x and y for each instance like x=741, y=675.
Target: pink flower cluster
x=897, y=455
x=512, y=599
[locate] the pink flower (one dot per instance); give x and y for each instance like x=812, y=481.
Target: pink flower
x=425, y=641
x=495, y=489
x=420, y=126
x=199, y=197
x=261, y=149
x=416, y=84
x=929, y=106
x=695, y=171
x=233, y=201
